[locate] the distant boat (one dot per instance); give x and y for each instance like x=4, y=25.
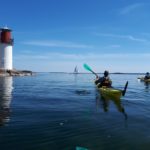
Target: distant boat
x=75, y=70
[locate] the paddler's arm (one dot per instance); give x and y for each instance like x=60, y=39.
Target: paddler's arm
x=97, y=80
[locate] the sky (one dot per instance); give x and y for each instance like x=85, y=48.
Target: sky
x=57, y=35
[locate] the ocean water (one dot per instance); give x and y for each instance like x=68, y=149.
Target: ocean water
x=62, y=111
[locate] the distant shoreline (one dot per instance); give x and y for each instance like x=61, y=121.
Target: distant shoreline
x=97, y=73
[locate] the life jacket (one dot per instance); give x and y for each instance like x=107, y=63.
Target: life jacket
x=147, y=77
x=105, y=81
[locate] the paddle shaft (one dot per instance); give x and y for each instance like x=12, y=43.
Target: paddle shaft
x=94, y=74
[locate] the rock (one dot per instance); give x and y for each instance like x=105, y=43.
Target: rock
x=15, y=72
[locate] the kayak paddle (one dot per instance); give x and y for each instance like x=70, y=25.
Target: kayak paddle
x=125, y=88
x=89, y=69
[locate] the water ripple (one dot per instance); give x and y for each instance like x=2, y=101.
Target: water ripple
x=63, y=111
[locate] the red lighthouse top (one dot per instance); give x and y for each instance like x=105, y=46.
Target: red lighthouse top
x=5, y=36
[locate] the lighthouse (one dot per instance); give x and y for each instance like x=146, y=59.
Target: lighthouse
x=6, y=46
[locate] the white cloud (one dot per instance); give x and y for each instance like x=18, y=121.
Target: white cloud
x=128, y=37
x=79, y=57
x=124, y=62
x=62, y=44
x=113, y=46
x=131, y=8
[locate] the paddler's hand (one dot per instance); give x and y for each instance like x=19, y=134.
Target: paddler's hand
x=97, y=77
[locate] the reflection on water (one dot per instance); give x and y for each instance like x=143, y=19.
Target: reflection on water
x=5, y=98
x=104, y=102
x=147, y=85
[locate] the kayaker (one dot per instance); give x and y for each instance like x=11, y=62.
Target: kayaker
x=104, y=81
x=147, y=76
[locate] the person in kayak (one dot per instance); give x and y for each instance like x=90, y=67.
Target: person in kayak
x=147, y=76
x=104, y=81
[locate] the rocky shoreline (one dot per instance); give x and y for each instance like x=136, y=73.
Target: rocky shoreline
x=15, y=72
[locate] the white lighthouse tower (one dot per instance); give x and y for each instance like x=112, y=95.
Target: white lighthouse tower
x=6, y=44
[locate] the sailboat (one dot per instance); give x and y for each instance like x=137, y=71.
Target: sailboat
x=75, y=70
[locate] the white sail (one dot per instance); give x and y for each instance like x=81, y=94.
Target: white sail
x=76, y=70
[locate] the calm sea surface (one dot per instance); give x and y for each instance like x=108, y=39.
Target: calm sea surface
x=60, y=111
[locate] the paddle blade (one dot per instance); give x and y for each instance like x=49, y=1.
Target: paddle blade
x=81, y=148
x=87, y=67
x=125, y=88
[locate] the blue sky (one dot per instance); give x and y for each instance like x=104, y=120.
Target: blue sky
x=57, y=35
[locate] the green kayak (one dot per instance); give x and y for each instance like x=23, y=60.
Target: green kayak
x=112, y=93
x=144, y=80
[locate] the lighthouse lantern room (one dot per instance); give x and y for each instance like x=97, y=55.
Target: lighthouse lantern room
x=6, y=44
